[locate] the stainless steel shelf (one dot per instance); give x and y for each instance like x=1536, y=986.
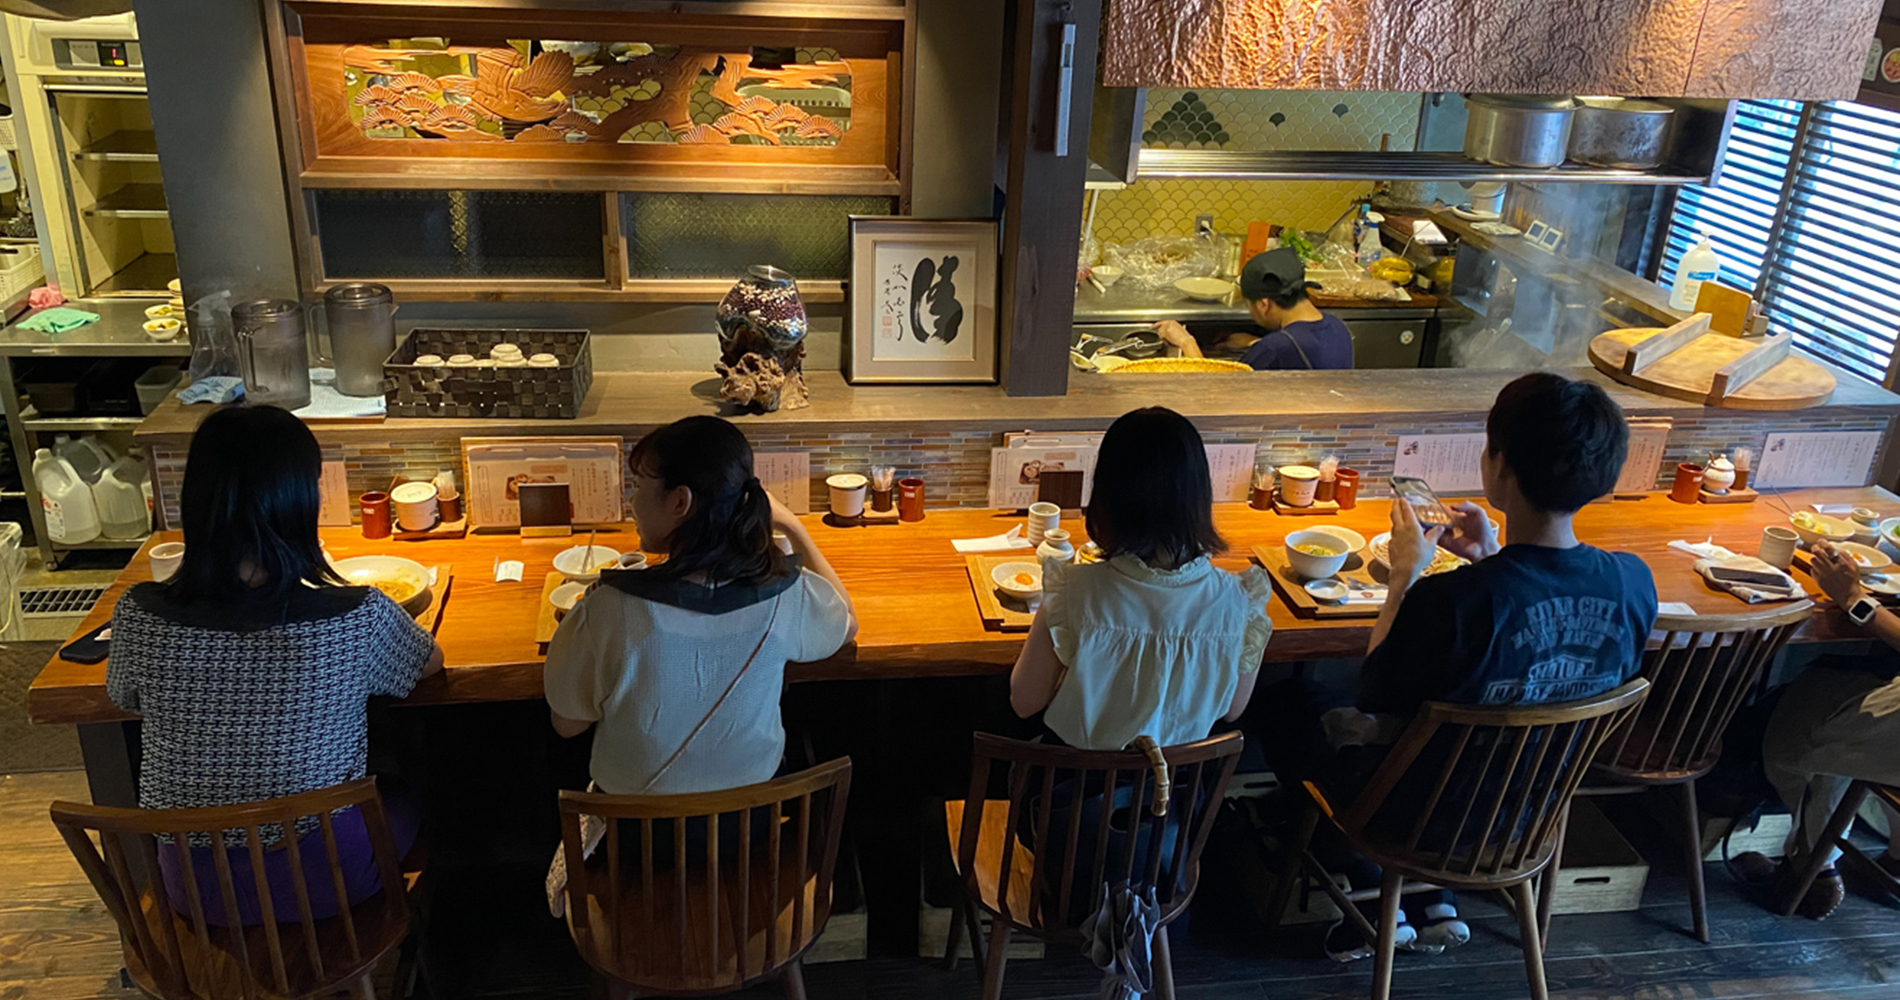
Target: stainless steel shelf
x=102, y=543
x=144, y=278
x=1163, y=164
x=122, y=147
x=32, y=422
x=133, y=201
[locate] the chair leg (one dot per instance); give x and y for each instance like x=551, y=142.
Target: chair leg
x=1814, y=858
x=953, y=941
x=1290, y=869
x=795, y=981
x=1692, y=853
x=998, y=954
x=973, y=926
x=1163, y=965
x=1391, y=894
x=1547, y=884
x=1532, y=940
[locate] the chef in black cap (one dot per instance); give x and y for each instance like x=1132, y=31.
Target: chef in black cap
x=1295, y=336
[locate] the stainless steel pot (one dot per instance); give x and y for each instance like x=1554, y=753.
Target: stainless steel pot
x=1515, y=130
x=1621, y=132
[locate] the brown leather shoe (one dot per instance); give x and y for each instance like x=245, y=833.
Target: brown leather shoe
x=1823, y=896
x=1754, y=869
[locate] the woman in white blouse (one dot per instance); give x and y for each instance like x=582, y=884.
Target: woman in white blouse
x=679, y=667
x=1154, y=640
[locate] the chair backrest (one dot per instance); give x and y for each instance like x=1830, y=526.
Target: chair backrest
x=1082, y=818
x=1476, y=794
x=708, y=891
x=1699, y=676
x=205, y=952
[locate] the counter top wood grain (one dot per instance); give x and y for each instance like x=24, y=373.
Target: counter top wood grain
x=917, y=615
x=630, y=404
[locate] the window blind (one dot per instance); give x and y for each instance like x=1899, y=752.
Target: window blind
x=1804, y=218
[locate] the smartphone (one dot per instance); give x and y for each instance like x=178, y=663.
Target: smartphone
x=1431, y=511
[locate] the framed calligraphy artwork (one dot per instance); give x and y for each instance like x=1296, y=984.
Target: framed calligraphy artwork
x=923, y=300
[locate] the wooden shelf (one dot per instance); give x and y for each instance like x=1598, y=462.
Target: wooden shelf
x=485, y=175
x=687, y=290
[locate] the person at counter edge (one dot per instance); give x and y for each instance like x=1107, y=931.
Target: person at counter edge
x=1297, y=337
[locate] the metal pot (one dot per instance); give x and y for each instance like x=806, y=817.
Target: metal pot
x=1621, y=132
x=1515, y=130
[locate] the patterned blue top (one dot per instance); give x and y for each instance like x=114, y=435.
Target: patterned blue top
x=256, y=700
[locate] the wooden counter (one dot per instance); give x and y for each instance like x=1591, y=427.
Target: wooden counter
x=917, y=615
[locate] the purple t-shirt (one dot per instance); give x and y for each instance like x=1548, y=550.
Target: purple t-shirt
x=1317, y=344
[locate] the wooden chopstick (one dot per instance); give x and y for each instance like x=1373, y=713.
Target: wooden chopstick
x=442, y=606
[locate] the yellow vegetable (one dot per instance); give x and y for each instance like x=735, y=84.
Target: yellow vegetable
x=1314, y=550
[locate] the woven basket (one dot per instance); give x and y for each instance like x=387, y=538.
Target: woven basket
x=1153, y=366
x=414, y=390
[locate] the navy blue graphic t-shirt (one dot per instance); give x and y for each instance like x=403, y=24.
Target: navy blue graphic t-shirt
x=1319, y=344
x=1529, y=625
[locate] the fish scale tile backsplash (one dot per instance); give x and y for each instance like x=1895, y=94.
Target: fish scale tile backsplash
x=955, y=464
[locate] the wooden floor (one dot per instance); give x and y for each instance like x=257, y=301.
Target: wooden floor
x=57, y=943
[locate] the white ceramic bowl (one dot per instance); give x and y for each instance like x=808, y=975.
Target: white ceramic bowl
x=1329, y=591
x=1832, y=529
x=1872, y=561
x=565, y=597
x=582, y=564
x=1354, y=541
x=1890, y=531
x=389, y=572
x=1204, y=289
x=1107, y=274
x=1004, y=576
x=1312, y=567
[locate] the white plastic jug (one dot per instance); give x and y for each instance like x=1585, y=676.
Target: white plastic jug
x=86, y=455
x=65, y=499
x=121, y=502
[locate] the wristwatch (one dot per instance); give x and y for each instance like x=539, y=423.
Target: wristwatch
x=1862, y=611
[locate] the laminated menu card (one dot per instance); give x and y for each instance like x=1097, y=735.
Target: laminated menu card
x=498, y=467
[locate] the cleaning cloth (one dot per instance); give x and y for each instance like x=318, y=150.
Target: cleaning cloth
x=58, y=320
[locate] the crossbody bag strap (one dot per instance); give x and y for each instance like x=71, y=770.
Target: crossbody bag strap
x=723, y=695
x=1295, y=341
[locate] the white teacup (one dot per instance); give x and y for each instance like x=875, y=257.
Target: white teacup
x=166, y=557
x=1043, y=516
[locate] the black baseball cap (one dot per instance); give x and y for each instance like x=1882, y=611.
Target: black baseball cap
x=1273, y=274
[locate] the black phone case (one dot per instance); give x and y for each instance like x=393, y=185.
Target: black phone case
x=89, y=648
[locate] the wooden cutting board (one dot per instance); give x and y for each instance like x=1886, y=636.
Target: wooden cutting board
x=1292, y=589
x=1689, y=372
x=997, y=611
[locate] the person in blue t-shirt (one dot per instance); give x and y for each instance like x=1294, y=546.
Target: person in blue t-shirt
x=1546, y=618
x=1298, y=337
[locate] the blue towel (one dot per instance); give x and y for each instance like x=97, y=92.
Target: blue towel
x=213, y=389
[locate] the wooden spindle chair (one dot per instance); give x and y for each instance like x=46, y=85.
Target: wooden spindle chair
x=185, y=956
x=1493, y=785
x=1806, y=865
x=733, y=905
x=1036, y=861
x=1699, y=676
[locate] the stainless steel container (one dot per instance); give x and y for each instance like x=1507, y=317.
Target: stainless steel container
x=272, y=352
x=1621, y=132
x=1516, y=130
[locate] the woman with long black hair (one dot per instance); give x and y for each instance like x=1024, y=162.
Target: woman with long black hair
x=678, y=667
x=252, y=667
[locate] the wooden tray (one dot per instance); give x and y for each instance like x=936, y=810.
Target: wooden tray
x=997, y=611
x=1734, y=495
x=447, y=529
x=544, y=622
x=1293, y=590
x=1691, y=371
x=1319, y=508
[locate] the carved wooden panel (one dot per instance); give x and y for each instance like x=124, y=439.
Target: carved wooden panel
x=1782, y=48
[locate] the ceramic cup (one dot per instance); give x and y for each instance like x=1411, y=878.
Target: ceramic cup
x=1688, y=486
x=633, y=560
x=847, y=494
x=375, y=506
x=415, y=506
x=1299, y=484
x=1346, y=488
x=1777, y=546
x=450, y=503
x=165, y=558
x=1043, y=516
x=910, y=499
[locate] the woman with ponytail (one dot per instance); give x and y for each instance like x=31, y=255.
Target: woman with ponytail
x=679, y=666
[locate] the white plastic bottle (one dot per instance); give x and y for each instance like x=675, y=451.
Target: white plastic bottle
x=1700, y=264
x=65, y=499
x=120, y=501
x=87, y=456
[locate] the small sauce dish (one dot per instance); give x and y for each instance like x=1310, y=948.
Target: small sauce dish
x=1330, y=591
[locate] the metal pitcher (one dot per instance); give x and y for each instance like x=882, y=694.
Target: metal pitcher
x=361, y=317
x=273, y=352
